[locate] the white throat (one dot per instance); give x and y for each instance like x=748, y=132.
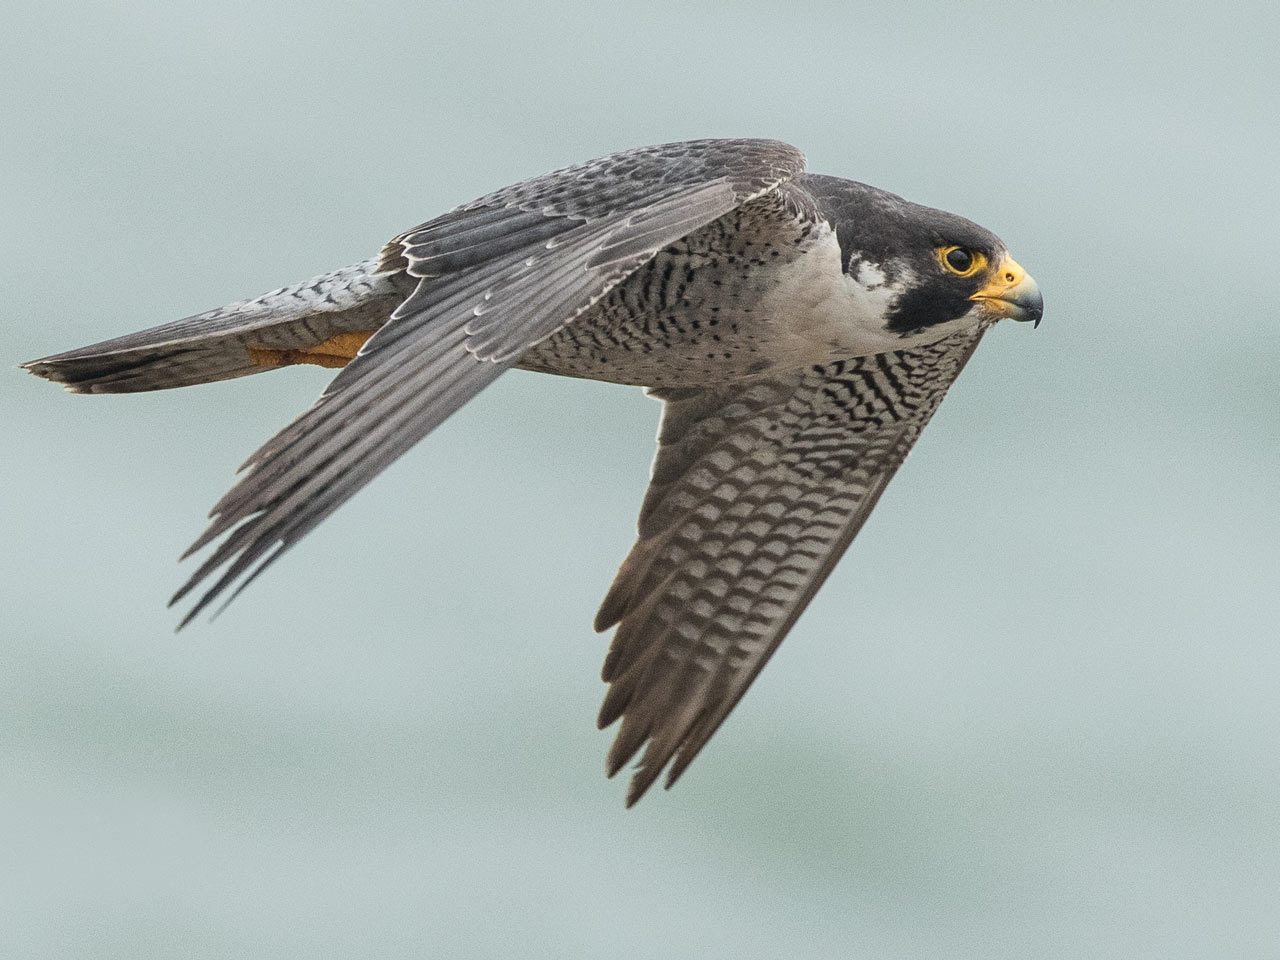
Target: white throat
x=847, y=315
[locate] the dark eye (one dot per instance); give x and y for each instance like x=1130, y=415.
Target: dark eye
x=959, y=259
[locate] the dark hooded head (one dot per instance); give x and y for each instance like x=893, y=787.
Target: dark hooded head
x=940, y=267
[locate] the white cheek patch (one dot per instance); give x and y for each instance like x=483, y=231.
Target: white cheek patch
x=869, y=275
x=872, y=299
x=829, y=314
x=870, y=294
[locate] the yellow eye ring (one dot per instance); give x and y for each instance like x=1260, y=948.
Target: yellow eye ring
x=960, y=261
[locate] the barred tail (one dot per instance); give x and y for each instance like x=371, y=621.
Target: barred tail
x=322, y=320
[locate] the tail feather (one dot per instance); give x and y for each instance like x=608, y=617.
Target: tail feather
x=232, y=341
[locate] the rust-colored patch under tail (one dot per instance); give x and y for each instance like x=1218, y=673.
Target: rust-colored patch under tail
x=337, y=351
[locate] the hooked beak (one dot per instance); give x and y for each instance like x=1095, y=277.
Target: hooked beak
x=1012, y=293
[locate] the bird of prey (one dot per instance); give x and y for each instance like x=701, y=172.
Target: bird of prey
x=799, y=329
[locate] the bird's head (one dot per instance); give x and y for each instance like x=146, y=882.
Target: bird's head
x=929, y=270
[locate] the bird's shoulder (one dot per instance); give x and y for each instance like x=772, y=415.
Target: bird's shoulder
x=630, y=178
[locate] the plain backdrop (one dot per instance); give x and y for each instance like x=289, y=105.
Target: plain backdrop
x=1033, y=713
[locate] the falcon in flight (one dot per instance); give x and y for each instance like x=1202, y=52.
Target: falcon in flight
x=799, y=330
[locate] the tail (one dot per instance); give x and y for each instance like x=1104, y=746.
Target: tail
x=322, y=320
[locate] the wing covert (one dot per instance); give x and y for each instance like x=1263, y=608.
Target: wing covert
x=494, y=278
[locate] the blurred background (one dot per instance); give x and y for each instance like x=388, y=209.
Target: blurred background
x=1033, y=713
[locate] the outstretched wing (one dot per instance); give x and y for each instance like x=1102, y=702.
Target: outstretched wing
x=757, y=490
x=495, y=277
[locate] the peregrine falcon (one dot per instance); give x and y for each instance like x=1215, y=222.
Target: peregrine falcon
x=799, y=329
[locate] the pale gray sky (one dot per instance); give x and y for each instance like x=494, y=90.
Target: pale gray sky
x=1033, y=713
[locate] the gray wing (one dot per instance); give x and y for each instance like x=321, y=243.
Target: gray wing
x=757, y=490
x=494, y=278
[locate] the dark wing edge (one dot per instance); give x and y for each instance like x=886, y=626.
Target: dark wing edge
x=757, y=491
x=494, y=278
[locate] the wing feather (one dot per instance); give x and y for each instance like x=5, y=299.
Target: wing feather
x=495, y=277
x=218, y=344
x=757, y=491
